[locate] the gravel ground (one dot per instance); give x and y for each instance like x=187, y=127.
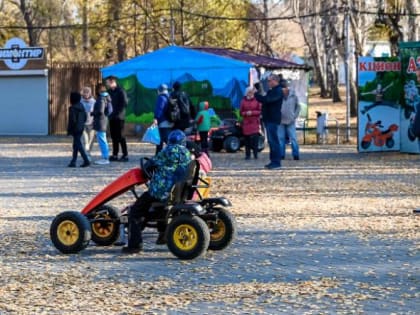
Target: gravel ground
x=333, y=233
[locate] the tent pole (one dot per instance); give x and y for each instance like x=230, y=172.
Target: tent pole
x=172, y=28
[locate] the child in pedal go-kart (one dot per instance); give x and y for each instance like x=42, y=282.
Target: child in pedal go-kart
x=170, y=166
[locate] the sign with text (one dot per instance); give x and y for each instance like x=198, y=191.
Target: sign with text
x=379, y=85
x=15, y=54
x=410, y=69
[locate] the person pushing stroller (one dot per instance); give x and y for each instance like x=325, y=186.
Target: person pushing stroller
x=171, y=164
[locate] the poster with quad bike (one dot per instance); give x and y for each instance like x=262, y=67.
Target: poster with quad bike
x=410, y=69
x=379, y=88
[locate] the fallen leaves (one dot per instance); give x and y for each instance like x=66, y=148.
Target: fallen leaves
x=287, y=259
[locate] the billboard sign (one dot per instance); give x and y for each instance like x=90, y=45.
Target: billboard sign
x=379, y=86
x=15, y=54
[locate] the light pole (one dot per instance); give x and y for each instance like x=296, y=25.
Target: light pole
x=347, y=56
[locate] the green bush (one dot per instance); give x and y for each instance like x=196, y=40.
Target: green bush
x=146, y=118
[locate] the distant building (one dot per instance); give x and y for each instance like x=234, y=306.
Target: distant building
x=377, y=49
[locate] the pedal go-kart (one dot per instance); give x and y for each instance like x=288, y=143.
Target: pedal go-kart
x=192, y=226
x=229, y=136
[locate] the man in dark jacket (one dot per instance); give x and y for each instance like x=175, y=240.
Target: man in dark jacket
x=271, y=116
x=75, y=127
x=184, y=104
x=117, y=119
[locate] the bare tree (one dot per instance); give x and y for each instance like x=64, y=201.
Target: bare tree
x=29, y=14
x=311, y=26
x=413, y=28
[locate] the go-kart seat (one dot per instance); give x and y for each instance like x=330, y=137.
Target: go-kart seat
x=183, y=190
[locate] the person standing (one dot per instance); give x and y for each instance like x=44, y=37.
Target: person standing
x=117, y=119
x=100, y=122
x=184, y=104
x=271, y=115
x=289, y=113
x=250, y=110
x=75, y=127
x=203, y=121
x=161, y=116
x=88, y=134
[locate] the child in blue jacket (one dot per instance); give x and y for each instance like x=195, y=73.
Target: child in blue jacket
x=172, y=161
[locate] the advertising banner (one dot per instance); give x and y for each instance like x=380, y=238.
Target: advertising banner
x=380, y=97
x=410, y=64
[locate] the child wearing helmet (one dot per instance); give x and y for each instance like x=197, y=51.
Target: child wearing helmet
x=171, y=164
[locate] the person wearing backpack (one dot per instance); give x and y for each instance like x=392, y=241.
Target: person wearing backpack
x=101, y=110
x=184, y=104
x=161, y=118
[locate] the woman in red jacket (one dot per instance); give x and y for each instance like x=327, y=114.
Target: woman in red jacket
x=250, y=110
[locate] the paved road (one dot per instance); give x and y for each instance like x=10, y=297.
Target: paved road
x=271, y=268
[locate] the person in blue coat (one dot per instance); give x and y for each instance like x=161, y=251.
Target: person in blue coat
x=161, y=116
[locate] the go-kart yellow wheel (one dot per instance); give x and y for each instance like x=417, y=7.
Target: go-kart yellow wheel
x=105, y=225
x=187, y=236
x=223, y=231
x=70, y=232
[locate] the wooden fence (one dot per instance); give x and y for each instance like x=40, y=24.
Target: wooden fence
x=63, y=79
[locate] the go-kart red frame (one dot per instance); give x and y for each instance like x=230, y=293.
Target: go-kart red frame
x=119, y=186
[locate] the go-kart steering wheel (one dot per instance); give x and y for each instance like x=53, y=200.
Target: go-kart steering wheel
x=146, y=164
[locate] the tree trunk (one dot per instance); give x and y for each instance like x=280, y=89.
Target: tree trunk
x=121, y=49
x=85, y=34
x=26, y=12
x=353, y=98
x=335, y=91
x=412, y=7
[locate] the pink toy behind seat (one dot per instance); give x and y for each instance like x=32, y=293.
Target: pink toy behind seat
x=205, y=163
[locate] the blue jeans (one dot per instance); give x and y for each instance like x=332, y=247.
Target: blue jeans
x=273, y=142
x=289, y=130
x=103, y=144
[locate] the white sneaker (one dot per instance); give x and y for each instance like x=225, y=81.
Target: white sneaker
x=102, y=162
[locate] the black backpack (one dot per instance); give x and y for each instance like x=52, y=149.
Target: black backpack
x=174, y=108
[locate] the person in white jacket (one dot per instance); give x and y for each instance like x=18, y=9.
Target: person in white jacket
x=289, y=113
x=88, y=101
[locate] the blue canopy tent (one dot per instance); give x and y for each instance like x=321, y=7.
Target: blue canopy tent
x=202, y=74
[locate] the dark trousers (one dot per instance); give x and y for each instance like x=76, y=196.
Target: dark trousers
x=138, y=212
x=163, y=133
x=251, y=144
x=116, y=128
x=78, y=147
x=204, y=141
